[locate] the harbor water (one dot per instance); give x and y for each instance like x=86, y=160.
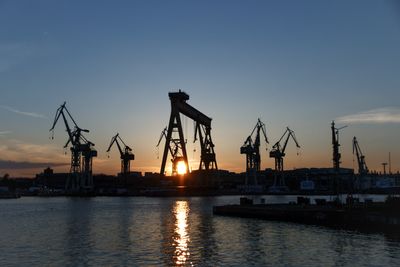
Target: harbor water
x=144, y=231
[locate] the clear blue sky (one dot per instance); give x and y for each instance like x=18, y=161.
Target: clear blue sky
x=292, y=63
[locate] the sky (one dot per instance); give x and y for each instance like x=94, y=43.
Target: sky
x=300, y=64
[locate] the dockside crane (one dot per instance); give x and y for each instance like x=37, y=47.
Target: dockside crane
x=362, y=166
x=336, y=145
x=278, y=153
x=82, y=153
x=252, y=151
x=126, y=154
x=175, y=144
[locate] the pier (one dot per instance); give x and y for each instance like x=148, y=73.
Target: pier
x=371, y=217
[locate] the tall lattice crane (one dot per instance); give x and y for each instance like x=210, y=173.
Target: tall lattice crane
x=82, y=153
x=252, y=150
x=362, y=166
x=278, y=153
x=125, y=154
x=335, y=146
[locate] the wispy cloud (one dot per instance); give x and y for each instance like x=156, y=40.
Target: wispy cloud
x=18, y=151
x=4, y=132
x=379, y=115
x=25, y=159
x=30, y=114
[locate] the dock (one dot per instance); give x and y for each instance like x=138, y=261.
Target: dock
x=371, y=217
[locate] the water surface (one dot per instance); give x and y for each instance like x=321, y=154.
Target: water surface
x=140, y=231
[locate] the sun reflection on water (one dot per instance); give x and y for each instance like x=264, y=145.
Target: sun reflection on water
x=181, y=237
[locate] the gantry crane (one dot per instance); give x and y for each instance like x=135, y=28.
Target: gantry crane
x=362, y=166
x=278, y=153
x=252, y=151
x=176, y=146
x=125, y=154
x=80, y=178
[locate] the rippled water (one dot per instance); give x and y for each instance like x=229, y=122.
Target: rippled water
x=141, y=231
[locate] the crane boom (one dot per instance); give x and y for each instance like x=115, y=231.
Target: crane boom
x=115, y=140
x=163, y=134
x=290, y=134
x=60, y=112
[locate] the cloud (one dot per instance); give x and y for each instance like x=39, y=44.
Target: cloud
x=30, y=114
x=380, y=115
x=4, y=132
x=18, y=151
x=25, y=159
x=17, y=165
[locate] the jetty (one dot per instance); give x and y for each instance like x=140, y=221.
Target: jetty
x=365, y=216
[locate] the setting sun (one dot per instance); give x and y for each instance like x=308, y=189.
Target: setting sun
x=181, y=167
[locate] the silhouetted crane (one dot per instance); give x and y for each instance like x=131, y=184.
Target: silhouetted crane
x=125, y=153
x=278, y=153
x=80, y=178
x=362, y=166
x=335, y=144
x=176, y=145
x=252, y=150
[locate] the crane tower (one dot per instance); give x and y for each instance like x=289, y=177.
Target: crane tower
x=335, y=145
x=362, y=166
x=80, y=178
x=126, y=154
x=278, y=153
x=252, y=151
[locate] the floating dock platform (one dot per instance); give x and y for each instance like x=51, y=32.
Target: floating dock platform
x=371, y=217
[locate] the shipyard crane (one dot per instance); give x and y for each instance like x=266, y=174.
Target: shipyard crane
x=252, y=150
x=278, y=153
x=175, y=145
x=82, y=153
x=125, y=154
x=335, y=144
x=362, y=166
